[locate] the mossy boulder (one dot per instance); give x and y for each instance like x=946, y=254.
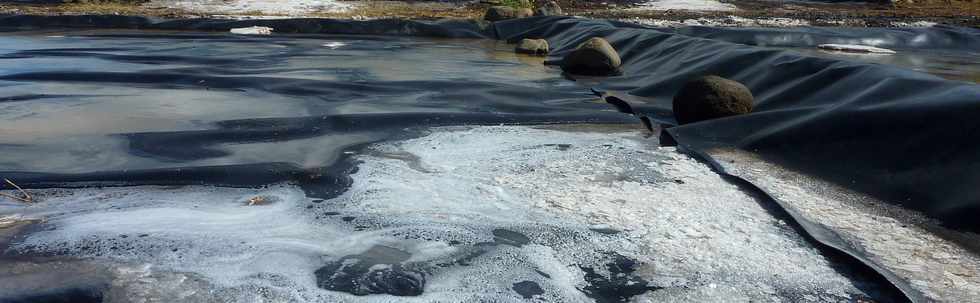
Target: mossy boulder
x=711, y=97
x=594, y=57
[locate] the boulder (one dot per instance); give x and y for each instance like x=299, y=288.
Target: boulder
x=498, y=13
x=711, y=97
x=549, y=9
x=594, y=57
x=532, y=46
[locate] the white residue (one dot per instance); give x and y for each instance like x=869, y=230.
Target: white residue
x=694, y=234
x=334, y=44
x=690, y=5
x=679, y=217
x=271, y=7
x=914, y=24
x=254, y=30
x=854, y=48
x=941, y=269
x=727, y=21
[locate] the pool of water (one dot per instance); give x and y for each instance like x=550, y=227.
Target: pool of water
x=361, y=169
x=77, y=102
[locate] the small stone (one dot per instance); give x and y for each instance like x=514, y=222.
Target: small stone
x=549, y=9
x=499, y=13
x=711, y=97
x=532, y=46
x=595, y=57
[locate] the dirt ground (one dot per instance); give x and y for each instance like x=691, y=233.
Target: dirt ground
x=771, y=13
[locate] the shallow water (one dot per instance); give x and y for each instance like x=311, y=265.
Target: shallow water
x=401, y=170
x=75, y=102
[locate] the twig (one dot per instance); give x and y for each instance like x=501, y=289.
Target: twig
x=27, y=197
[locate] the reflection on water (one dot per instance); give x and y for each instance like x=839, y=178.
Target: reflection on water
x=67, y=96
x=963, y=66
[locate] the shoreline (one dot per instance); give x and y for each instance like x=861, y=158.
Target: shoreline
x=748, y=13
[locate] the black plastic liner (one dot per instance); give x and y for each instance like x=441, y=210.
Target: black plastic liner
x=904, y=137
x=446, y=28
x=939, y=37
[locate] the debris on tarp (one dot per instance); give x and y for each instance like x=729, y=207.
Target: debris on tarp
x=25, y=197
x=254, y=30
x=260, y=200
x=15, y=220
x=854, y=48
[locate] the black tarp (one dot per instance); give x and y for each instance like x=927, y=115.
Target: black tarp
x=905, y=137
x=938, y=37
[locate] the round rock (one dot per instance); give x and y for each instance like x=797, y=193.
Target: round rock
x=498, y=13
x=549, y=9
x=594, y=57
x=532, y=46
x=711, y=97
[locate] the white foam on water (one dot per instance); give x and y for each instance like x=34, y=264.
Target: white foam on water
x=704, y=226
x=695, y=235
x=197, y=229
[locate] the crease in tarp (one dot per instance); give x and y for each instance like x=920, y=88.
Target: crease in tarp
x=849, y=123
x=816, y=232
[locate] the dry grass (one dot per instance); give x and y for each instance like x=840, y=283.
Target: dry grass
x=128, y=9
x=104, y=8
